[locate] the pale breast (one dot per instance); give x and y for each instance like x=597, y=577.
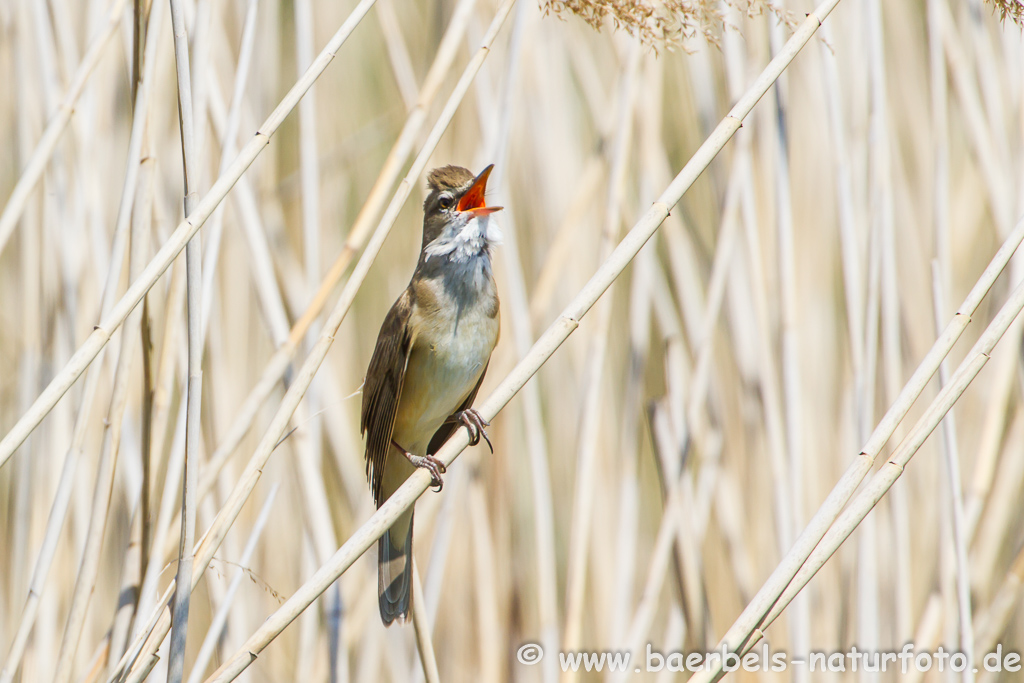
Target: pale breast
x=451, y=349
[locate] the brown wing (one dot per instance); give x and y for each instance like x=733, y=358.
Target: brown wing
x=448, y=428
x=382, y=388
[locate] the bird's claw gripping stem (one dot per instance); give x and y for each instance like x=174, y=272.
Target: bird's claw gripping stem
x=427, y=462
x=474, y=423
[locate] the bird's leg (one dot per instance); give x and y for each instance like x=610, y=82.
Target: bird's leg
x=427, y=462
x=474, y=423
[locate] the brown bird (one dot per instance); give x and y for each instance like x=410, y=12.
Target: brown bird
x=431, y=355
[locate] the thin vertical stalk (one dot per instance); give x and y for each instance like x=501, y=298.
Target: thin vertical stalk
x=516, y=299
x=194, y=282
x=791, y=357
x=421, y=624
x=951, y=455
x=228, y=144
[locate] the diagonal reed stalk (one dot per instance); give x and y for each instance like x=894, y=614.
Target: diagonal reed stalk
x=541, y=351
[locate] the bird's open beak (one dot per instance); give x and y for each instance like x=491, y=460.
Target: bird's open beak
x=473, y=199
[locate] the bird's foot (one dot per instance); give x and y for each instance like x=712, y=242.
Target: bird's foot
x=427, y=462
x=474, y=423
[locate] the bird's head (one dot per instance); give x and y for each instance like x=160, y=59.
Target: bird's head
x=457, y=222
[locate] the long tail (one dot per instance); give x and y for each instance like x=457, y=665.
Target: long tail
x=394, y=571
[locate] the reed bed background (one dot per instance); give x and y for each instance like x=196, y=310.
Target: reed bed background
x=661, y=464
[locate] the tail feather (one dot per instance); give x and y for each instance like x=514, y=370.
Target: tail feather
x=394, y=573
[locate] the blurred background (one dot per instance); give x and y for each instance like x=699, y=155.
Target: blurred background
x=736, y=368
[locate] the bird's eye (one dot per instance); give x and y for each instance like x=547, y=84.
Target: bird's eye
x=446, y=201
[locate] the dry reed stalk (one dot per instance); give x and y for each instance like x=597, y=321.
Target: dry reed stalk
x=89, y=568
x=674, y=533
x=128, y=595
x=677, y=470
x=20, y=478
x=315, y=505
x=87, y=352
x=541, y=351
x=193, y=305
x=938, y=88
x=883, y=301
x=791, y=345
x=217, y=624
x=996, y=531
x=853, y=277
x=398, y=53
x=228, y=143
x=1005, y=376
x=675, y=633
x=640, y=311
x=146, y=451
x=565, y=239
x=157, y=627
x=517, y=302
x=421, y=625
x=162, y=528
x=487, y=575
x=306, y=658
x=308, y=444
x=980, y=133
x=137, y=557
x=926, y=637
x=590, y=422
x=95, y=668
x=768, y=373
x=994, y=619
x=163, y=385
x=721, y=266
x=951, y=454
x=255, y=233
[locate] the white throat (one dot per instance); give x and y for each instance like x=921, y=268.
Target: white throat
x=465, y=238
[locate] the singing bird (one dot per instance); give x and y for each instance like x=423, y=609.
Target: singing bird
x=431, y=356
